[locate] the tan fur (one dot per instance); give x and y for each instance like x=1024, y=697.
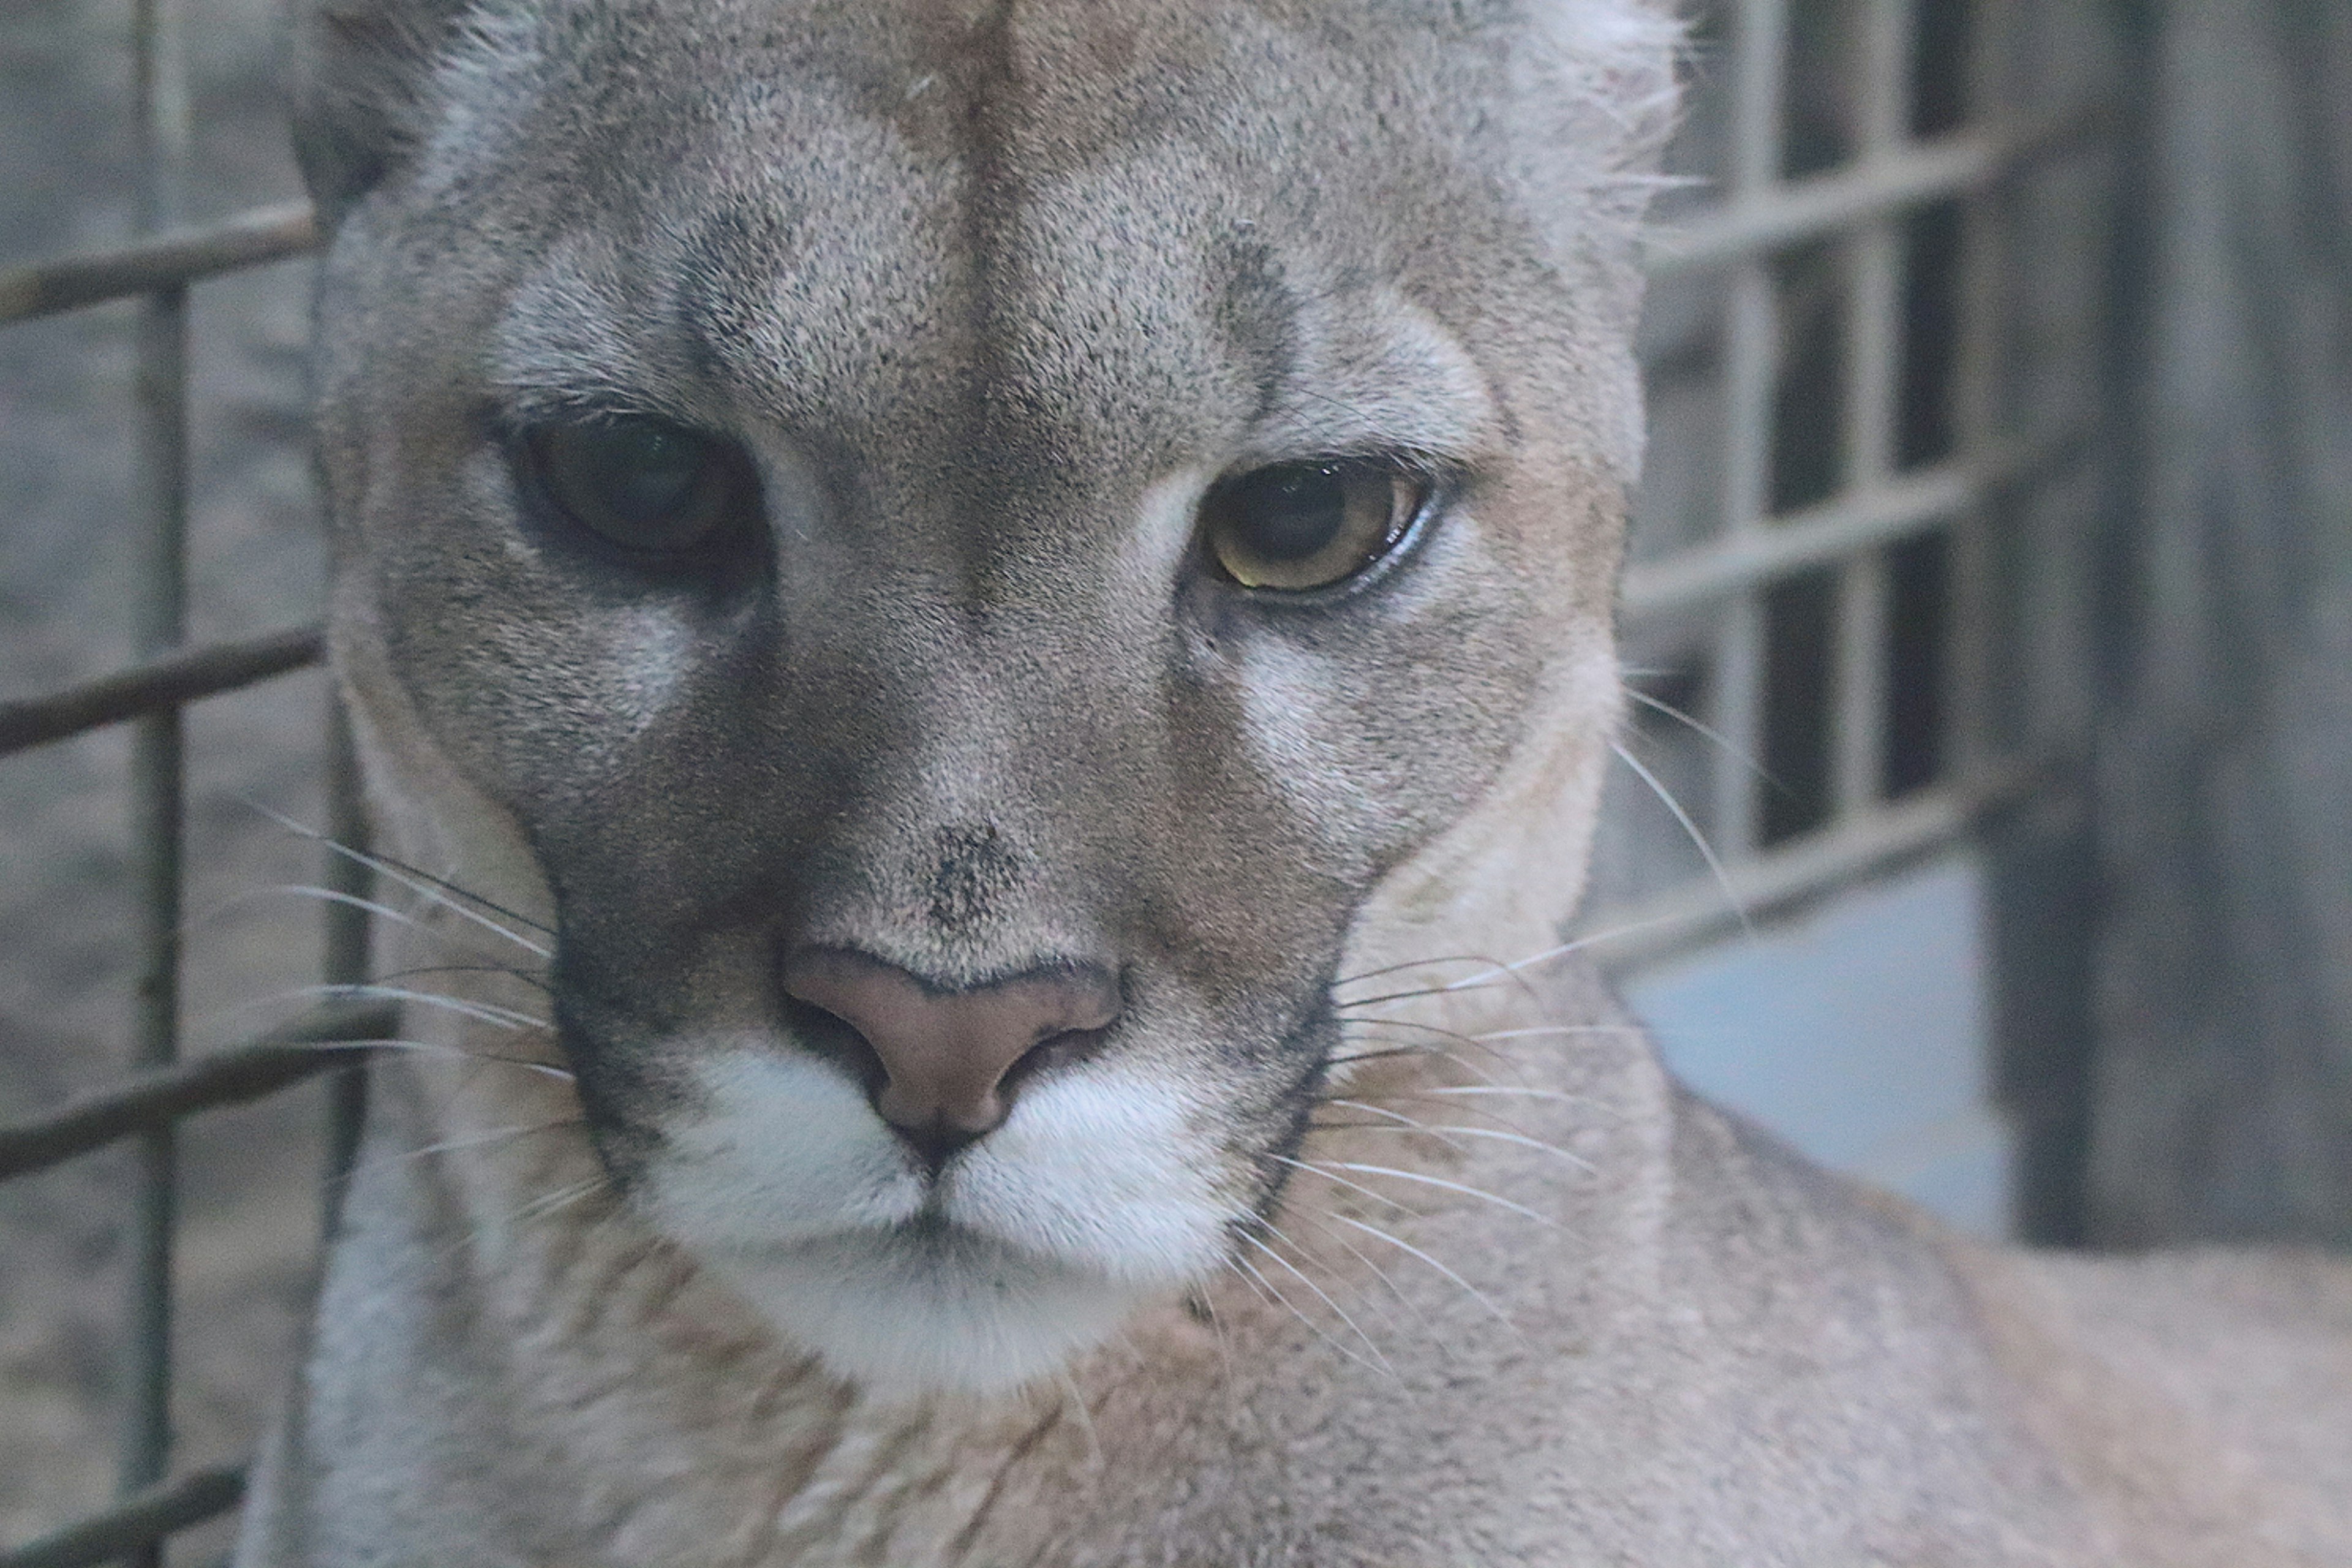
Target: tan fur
x=987, y=293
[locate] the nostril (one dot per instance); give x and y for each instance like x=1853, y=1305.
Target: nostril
x=949, y=1058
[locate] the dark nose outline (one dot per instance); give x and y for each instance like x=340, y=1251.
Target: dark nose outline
x=945, y=1054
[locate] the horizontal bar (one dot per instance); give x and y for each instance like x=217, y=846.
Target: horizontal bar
x=1842, y=526
x=181, y=255
x=1876, y=187
x=278, y=1059
x=153, y=688
x=149, y=1517
x=1625, y=938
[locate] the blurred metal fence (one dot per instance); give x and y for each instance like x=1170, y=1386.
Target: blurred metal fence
x=1882, y=503
x=1886, y=725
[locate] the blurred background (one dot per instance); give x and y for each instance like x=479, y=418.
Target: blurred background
x=1985, y=821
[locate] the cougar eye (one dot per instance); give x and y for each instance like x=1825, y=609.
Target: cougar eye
x=643, y=484
x=1295, y=526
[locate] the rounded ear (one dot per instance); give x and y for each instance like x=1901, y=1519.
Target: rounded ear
x=357, y=73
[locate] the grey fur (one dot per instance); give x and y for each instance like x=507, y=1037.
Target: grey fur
x=992, y=292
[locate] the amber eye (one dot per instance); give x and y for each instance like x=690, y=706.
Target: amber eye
x=1295, y=526
x=640, y=483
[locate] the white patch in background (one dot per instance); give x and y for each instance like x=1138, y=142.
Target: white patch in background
x=1034, y=1244
x=1856, y=1031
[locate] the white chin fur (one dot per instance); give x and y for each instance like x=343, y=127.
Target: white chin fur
x=1033, y=1244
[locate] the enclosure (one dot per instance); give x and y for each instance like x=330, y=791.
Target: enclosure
x=1906, y=547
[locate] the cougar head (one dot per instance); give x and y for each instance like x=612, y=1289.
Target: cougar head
x=979, y=558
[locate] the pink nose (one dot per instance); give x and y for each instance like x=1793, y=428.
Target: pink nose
x=945, y=1054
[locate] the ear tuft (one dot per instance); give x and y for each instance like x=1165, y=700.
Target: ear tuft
x=357, y=72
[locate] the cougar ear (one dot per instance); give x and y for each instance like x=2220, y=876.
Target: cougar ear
x=357, y=72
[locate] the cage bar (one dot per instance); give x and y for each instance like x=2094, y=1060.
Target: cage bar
x=160, y=599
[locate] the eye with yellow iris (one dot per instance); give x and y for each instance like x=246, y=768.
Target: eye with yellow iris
x=644, y=484
x=1294, y=527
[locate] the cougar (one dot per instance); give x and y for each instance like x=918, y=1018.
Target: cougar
x=981, y=635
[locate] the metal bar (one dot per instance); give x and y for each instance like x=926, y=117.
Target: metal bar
x=1874, y=304
x=1735, y=686
x=157, y=790
x=345, y=959
x=133, y=1527
x=1969, y=740
x=278, y=1059
x=167, y=260
x=158, y=687
x=1821, y=535
x=1824, y=205
x=1626, y=937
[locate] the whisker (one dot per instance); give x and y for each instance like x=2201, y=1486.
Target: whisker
x=1706, y=850
x=1315, y=1170
x=486, y=1012
x=479, y=1141
x=1312, y=1326
x=1316, y=1218
x=382, y=911
x=534, y=981
x=1562, y=1029
x=1486, y=980
x=1551, y=1094
x=436, y=1048
x=1467, y=1191
x=1380, y=1360
x=1671, y=711
x=1410, y=1250
x=436, y=890
x=1395, y=1120
x=1412, y=963
x=562, y=1198
x=1495, y=1133
x=1077, y=1401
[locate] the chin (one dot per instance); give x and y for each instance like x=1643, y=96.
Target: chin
x=1030, y=1247
x=931, y=1308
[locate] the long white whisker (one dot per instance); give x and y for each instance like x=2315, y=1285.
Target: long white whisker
x=1706, y=850
x=1505, y=1090
x=416, y=885
x=435, y=1048
x=1078, y=1401
x=1671, y=711
x=1325, y=1298
x=486, y=1012
x=1377, y=1197
x=1317, y=1216
x=1467, y=1191
x=1312, y=1326
x=1410, y=1249
x=478, y=1140
x=1495, y=1133
x=1561, y=1029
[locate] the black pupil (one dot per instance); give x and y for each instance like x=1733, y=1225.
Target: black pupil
x=646, y=473
x=1290, y=513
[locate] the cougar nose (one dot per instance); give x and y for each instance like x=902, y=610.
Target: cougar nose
x=945, y=1054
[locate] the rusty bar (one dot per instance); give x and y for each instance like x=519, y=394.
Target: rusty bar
x=134, y=1527
x=278, y=1059
x=164, y=684
x=162, y=261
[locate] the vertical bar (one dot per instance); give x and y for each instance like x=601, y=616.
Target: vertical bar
x=159, y=626
x=1972, y=743
x=345, y=959
x=1751, y=334
x=1874, y=347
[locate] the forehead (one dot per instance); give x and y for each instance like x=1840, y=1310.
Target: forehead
x=889, y=199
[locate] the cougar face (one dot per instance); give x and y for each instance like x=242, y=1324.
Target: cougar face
x=982, y=586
